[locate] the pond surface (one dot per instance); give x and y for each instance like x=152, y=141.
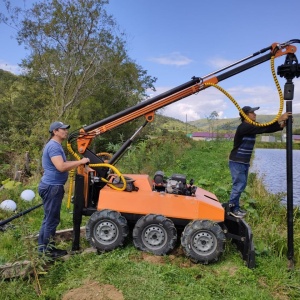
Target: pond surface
x=270, y=166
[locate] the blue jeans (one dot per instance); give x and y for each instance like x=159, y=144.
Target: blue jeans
x=52, y=196
x=239, y=175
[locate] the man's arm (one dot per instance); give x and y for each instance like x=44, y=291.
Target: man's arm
x=64, y=166
x=248, y=128
x=283, y=118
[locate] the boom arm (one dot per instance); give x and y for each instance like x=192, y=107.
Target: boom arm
x=148, y=107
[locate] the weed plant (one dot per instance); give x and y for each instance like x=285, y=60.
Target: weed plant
x=172, y=276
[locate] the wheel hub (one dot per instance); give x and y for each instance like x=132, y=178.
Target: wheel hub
x=154, y=236
x=106, y=232
x=204, y=243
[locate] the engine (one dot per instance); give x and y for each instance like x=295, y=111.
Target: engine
x=176, y=184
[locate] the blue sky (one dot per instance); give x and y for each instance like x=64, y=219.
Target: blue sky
x=175, y=40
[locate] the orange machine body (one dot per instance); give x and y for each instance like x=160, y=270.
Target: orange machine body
x=204, y=205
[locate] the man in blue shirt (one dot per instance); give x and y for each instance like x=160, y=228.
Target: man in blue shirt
x=240, y=155
x=51, y=187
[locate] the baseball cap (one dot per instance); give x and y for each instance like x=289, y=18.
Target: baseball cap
x=248, y=109
x=57, y=125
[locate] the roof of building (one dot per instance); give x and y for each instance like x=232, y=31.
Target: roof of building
x=296, y=137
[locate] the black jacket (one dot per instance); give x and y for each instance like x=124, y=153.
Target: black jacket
x=244, y=140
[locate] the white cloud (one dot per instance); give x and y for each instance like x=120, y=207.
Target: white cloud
x=266, y=97
x=221, y=113
x=196, y=106
x=175, y=59
x=202, y=104
x=15, y=69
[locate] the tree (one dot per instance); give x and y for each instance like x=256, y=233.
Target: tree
x=211, y=121
x=78, y=71
x=229, y=126
x=73, y=46
x=124, y=90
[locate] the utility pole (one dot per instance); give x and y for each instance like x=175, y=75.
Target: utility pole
x=186, y=124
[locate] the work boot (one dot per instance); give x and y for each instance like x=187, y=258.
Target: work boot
x=56, y=253
x=53, y=253
x=238, y=213
x=242, y=211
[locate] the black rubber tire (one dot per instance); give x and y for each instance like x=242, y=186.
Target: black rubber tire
x=203, y=241
x=106, y=230
x=155, y=234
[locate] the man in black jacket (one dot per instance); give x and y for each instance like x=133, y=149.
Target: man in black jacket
x=240, y=155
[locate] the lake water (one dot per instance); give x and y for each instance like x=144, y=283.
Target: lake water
x=270, y=165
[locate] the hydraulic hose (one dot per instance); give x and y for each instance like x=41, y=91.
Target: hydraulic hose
x=105, y=154
x=100, y=165
x=281, y=103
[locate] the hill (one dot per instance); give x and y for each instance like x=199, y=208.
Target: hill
x=229, y=125
x=167, y=123
x=222, y=125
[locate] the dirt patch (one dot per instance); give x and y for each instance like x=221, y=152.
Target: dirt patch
x=152, y=258
x=175, y=257
x=94, y=291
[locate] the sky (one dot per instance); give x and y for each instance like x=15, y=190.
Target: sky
x=176, y=40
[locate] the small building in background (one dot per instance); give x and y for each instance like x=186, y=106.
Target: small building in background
x=296, y=138
x=268, y=138
x=203, y=136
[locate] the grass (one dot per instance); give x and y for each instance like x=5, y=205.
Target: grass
x=171, y=277
x=143, y=276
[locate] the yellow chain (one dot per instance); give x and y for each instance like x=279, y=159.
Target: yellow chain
x=106, y=165
x=116, y=171
x=240, y=109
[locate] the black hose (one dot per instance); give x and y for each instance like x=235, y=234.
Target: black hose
x=20, y=214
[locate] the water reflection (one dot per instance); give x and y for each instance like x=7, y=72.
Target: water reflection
x=270, y=165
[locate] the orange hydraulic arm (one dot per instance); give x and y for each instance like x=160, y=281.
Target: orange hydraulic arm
x=148, y=107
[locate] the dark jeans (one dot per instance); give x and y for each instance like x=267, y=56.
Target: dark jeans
x=52, y=196
x=239, y=175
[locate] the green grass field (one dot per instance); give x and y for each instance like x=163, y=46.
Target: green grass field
x=127, y=273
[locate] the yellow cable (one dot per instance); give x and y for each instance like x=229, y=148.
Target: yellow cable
x=70, y=188
x=70, y=149
x=116, y=171
x=106, y=165
x=239, y=108
x=109, y=155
